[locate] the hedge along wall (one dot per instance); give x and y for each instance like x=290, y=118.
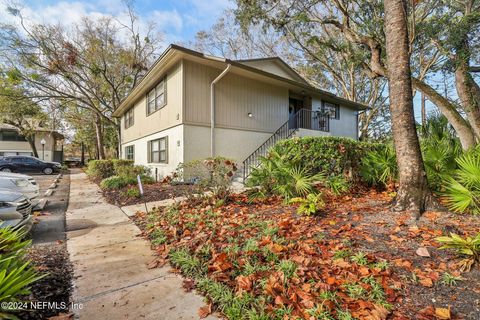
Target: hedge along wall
x=328, y=155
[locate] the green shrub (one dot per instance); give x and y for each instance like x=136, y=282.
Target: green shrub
x=462, y=190
x=132, y=171
x=118, y=182
x=115, y=182
x=311, y=204
x=212, y=175
x=132, y=193
x=16, y=274
x=100, y=169
x=379, y=166
x=119, y=163
x=335, y=156
x=337, y=184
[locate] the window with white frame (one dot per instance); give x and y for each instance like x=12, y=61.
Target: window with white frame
x=156, y=98
x=130, y=152
x=158, y=150
x=128, y=118
x=331, y=109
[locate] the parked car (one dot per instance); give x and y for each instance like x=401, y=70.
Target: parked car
x=18, y=175
x=15, y=210
x=24, y=164
x=20, y=185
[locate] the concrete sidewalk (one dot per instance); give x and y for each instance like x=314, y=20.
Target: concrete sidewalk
x=112, y=279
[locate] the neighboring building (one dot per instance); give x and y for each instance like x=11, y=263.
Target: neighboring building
x=169, y=117
x=12, y=143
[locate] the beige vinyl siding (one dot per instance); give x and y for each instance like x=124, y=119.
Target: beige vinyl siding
x=236, y=96
x=231, y=143
x=346, y=125
x=168, y=116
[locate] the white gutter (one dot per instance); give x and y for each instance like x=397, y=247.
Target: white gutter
x=212, y=109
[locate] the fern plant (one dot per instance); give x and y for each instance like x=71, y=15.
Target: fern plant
x=469, y=247
x=309, y=205
x=462, y=191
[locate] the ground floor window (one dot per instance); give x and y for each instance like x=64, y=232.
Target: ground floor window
x=130, y=152
x=331, y=109
x=158, y=150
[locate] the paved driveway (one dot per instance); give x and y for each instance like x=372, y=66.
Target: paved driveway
x=50, y=226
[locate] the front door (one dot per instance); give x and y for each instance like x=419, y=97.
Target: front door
x=294, y=106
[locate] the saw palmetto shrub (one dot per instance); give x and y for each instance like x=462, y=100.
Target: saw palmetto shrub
x=462, y=189
x=276, y=175
x=379, y=167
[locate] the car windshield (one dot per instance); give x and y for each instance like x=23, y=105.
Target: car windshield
x=21, y=182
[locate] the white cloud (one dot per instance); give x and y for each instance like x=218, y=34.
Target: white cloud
x=167, y=20
x=179, y=21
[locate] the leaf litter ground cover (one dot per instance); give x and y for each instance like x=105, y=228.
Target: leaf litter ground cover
x=356, y=259
x=152, y=192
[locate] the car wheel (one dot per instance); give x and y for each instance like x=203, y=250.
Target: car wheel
x=48, y=171
x=6, y=170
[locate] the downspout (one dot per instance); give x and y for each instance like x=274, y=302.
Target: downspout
x=212, y=109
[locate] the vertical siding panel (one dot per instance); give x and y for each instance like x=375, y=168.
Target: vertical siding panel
x=236, y=96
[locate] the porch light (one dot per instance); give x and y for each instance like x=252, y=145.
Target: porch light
x=250, y=115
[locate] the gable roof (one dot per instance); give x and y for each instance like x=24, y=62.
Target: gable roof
x=265, y=63
x=175, y=53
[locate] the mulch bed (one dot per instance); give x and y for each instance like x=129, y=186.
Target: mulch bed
x=55, y=288
x=152, y=192
x=327, y=252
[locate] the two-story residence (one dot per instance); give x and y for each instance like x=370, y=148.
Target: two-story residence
x=12, y=143
x=192, y=106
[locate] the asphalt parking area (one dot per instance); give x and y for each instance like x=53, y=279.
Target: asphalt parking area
x=49, y=223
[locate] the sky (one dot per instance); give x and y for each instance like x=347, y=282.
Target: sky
x=179, y=20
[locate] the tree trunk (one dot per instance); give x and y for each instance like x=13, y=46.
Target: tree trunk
x=461, y=126
x=469, y=93
x=99, y=138
x=31, y=142
x=413, y=188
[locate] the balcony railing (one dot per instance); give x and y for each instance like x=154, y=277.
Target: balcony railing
x=311, y=120
x=303, y=119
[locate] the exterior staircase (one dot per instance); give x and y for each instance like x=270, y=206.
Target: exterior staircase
x=303, y=119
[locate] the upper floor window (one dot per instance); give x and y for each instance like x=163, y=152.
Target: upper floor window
x=158, y=150
x=331, y=109
x=156, y=98
x=129, y=120
x=130, y=152
x=11, y=135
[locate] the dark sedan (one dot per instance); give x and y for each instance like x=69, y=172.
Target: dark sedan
x=22, y=164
